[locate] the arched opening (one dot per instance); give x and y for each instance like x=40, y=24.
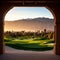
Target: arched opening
x=38, y=29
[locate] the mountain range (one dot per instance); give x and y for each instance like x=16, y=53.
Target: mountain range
x=30, y=24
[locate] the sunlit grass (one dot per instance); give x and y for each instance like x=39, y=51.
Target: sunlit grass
x=30, y=44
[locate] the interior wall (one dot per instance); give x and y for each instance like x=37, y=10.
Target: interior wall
x=6, y=6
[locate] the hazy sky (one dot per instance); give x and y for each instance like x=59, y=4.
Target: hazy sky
x=17, y=13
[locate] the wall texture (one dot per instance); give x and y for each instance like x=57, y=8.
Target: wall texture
x=52, y=5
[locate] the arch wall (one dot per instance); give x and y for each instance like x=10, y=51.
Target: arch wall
x=53, y=6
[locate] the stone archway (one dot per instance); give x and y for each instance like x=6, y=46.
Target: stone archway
x=7, y=5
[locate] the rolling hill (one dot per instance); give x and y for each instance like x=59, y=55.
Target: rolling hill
x=30, y=24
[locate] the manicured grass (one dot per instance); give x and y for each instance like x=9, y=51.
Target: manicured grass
x=30, y=44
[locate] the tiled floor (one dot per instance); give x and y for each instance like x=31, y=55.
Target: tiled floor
x=13, y=54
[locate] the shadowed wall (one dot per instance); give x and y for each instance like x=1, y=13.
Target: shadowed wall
x=52, y=5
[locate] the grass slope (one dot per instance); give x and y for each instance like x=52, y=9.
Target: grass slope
x=35, y=44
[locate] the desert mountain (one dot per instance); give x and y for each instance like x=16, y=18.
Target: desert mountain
x=30, y=24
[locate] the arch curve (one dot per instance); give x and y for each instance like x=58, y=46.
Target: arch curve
x=8, y=8
x=54, y=8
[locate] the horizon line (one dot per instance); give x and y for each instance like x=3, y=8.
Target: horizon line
x=30, y=18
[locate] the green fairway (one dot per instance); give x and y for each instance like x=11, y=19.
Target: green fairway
x=35, y=44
